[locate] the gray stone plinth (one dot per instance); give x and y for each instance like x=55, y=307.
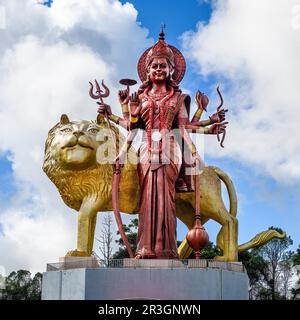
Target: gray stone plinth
x=187, y=283
x=78, y=262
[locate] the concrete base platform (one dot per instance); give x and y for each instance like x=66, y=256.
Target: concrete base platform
x=145, y=283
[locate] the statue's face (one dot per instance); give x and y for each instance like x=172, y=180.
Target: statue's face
x=159, y=70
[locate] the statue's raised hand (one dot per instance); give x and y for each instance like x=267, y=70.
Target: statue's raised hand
x=104, y=109
x=219, y=116
x=218, y=128
x=134, y=104
x=201, y=100
x=123, y=96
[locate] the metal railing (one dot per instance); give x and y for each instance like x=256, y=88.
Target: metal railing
x=78, y=263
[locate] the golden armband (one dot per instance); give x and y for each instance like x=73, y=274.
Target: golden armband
x=134, y=119
x=198, y=113
x=125, y=108
x=114, y=118
x=205, y=123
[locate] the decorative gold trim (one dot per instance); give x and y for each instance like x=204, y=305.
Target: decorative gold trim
x=114, y=118
x=134, y=119
x=198, y=113
x=125, y=108
x=205, y=123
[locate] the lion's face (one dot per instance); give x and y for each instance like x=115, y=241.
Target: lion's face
x=77, y=158
x=75, y=144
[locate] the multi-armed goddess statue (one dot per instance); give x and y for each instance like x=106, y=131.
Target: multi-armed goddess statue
x=159, y=108
x=160, y=186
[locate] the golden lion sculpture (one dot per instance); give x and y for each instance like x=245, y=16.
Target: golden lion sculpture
x=74, y=154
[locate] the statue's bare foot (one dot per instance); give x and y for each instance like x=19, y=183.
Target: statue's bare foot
x=138, y=256
x=76, y=253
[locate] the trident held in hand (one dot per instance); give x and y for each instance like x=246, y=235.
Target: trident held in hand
x=100, y=94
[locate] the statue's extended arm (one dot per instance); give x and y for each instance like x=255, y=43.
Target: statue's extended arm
x=130, y=117
x=217, y=117
x=105, y=108
x=202, y=102
x=195, y=126
x=123, y=99
x=184, y=125
x=120, y=121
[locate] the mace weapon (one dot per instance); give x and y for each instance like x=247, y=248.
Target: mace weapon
x=197, y=237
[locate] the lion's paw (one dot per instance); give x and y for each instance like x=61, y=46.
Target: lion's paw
x=221, y=258
x=226, y=258
x=76, y=253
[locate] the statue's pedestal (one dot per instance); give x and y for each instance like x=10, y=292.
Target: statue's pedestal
x=77, y=262
x=148, y=279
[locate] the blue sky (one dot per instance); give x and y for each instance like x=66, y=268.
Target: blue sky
x=260, y=155
x=6, y=178
x=178, y=17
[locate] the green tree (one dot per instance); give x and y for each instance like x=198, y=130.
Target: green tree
x=296, y=262
x=208, y=252
x=105, y=240
x=20, y=286
x=269, y=269
x=296, y=257
x=296, y=291
x=256, y=268
x=131, y=233
x=35, y=289
x=274, y=253
x=286, y=273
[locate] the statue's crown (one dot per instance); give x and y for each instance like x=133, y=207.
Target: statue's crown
x=160, y=50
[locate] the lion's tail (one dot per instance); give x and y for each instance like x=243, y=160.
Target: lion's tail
x=261, y=239
x=231, y=190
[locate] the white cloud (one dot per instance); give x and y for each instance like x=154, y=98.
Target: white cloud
x=47, y=57
x=2, y=17
x=34, y=238
x=253, y=49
